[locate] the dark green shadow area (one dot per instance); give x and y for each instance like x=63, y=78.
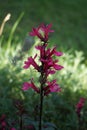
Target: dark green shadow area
x=69, y=20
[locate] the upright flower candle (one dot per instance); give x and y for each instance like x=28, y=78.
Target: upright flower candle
x=48, y=66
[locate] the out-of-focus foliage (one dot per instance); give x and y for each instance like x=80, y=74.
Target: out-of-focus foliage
x=69, y=20
x=74, y=74
x=59, y=108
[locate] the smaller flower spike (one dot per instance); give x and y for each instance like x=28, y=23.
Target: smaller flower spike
x=79, y=106
x=46, y=56
x=42, y=32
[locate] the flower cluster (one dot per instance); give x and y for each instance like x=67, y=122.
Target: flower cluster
x=42, y=32
x=48, y=65
x=4, y=124
x=79, y=106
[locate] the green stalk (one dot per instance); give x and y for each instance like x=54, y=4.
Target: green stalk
x=42, y=82
x=21, y=122
x=41, y=107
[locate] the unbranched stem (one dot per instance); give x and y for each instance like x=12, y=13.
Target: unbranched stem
x=42, y=82
x=21, y=125
x=41, y=108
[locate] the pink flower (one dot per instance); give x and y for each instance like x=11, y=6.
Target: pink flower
x=41, y=48
x=12, y=129
x=2, y=120
x=46, y=57
x=31, y=61
x=42, y=32
x=2, y=117
x=3, y=123
x=81, y=102
x=47, y=53
x=49, y=63
x=27, y=86
x=52, y=87
x=50, y=71
x=57, y=67
x=80, y=105
x=53, y=52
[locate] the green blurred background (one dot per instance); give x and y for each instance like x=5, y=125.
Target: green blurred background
x=69, y=20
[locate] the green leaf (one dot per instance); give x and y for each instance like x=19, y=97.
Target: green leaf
x=14, y=28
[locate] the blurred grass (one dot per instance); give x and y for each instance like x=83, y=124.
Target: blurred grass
x=69, y=20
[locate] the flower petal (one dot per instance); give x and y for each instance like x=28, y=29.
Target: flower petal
x=55, y=88
x=42, y=32
x=26, y=86
x=58, y=67
x=32, y=62
x=34, y=87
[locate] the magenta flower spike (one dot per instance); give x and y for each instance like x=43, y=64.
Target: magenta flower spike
x=79, y=106
x=48, y=66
